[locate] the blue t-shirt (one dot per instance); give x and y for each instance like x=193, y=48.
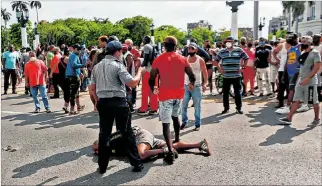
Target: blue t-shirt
x=10, y=59
x=231, y=61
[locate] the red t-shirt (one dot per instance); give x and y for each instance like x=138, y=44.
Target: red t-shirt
x=54, y=62
x=171, y=67
x=35, y=71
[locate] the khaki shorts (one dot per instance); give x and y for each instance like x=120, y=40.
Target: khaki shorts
x=302, y=94
x=146, y=137
x=169, y=108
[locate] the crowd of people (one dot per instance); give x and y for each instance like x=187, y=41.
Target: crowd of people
x=112, y=71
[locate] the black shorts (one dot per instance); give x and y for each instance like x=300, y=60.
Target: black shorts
x=292, y=81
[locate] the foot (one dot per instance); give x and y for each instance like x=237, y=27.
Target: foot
x=285, y=121
x=80, y=108
x=303, y=108
x=138, y=168
x=205, y=147
x=169, y=158
x=197, y=128
x=239, y=111
x=252, y=94
x=261, y=95
x=283, y=110
x=142, y=113
x=48, y=110
x=26, y=92
x=152, y=112
x=183, y=126
x=256, y=88
x=279, y=106
x=316, y=122
x=225, y=111
x=37, y=110
x=270, y=95
x=245, y=95
x=5, y=93
x=66, y=110
x=176, y=154
x=134, y=106
x=72, y=112
x=101, y=170
x=14, y=92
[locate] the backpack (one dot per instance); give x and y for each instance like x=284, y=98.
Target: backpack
x=155, y=53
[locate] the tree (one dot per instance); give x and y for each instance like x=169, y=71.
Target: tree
x=37, y=5
x=202, y=34
x=6, y=17
x=19, y=5
x=225, y=33
x=168, y=30
x=297, y=9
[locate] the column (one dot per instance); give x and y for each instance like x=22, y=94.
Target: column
x=234, y=25
x=24, y=37
x=37, y=39
x=159, y=47
x=152, y=39
x=255, y=26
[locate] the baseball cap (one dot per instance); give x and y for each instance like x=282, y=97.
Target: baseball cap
x=114, y=45
x=243, y=39
x=112, y=38
x=77, y=46
x=307, y=38
x=193, y=45
x=292, y=36
x=230, y=38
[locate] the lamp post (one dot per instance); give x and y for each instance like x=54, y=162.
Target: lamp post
x=234, y=21
x=189, y=36
x=255, y=29
x=36, y=42
x=23, y=20
x=152, y=32
x=217, y=35
x=261, y=26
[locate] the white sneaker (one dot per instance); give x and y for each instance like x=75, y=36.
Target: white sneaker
x=303, y=108
x=283, y=110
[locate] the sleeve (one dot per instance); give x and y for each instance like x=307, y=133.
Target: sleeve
x=243, y=55
x=204, y=54
x=317, y=57
x=124, y=75
x=93, y=78
x=218, y=57
x=4, y=55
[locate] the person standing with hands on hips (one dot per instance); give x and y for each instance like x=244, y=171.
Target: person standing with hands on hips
x=109, y=78
x=233, y=58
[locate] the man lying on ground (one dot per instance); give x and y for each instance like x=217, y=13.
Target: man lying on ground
x=148, y=146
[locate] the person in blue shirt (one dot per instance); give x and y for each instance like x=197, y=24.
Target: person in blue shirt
x=85, y=81
x=73, y=75
x=10, y=65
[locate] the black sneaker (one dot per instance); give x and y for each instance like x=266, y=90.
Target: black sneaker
x=183, y=126
x=239, y=111
x=225, y=111
x=142, y=113
x=26, y=92
x=285, y=121
x=269, y=94
x=152, y=112
x=197, y=128
x=101, y=170
x=48, y=110
x=66, y=110
x=37, y=110
x=5, y=93
x=252, y=94
x=169, y=158
x=14, y=92
x=138, y=168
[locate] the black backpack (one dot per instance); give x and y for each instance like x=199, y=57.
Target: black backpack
x=155, y=53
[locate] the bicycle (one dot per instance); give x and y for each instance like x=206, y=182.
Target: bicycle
x=219, y=85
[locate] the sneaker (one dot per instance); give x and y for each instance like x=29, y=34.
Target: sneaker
x=14, y=92
x=66, y=110
x=279, y=106
x=261, y=95
x=183, y=126
x=303, y=108
x=48, y=110
x=26, y=92
x=138, y=168
x=142, y=113
x=152, y=112
x=197, y=128
x=283, y=110
x=169, y=158
x=37, y=110
x=315, y=122
x=239, y=111
x=225, y=111
x=5, y=93
x=72, y=112
x=252, y=94
x=269, y=94
x=285, y=121
x=205, y=147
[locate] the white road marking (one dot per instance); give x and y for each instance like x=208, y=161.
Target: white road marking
x=13, y=112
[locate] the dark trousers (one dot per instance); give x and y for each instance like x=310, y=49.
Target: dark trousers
x=133, y=96
x=64, y=85
x=73, y=83
x=7, y=74
x=55, y=84
x=282, y=87
x=236, y=82
x=50, y=80
x=117, y=109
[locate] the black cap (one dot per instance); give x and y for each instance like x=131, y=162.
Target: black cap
x=114, y=46
x=112, y=38
x=231, y=38
x=77, y=46
x=292, y=36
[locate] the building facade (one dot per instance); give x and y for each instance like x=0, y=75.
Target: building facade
x=246, y=32
x=277, y=23
x=200, y=24
x=311, y=21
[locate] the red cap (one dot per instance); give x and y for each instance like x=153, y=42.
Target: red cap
x=135, y=52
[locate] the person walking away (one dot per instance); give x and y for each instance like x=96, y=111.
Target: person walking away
x=310, y=62
x=148, y=98
x=170, y=67
x=109, y=78
x=63, y=81
x=229, y=62
x=249, y=71
x=73, y=74
x=10, y=64
x=83, y=58
x=209, y=65
x=198, y=66
x=263, y=59
x=49, y=56
x=35, y=77
x=54, y=73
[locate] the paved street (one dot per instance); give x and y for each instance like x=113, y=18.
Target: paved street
x=247, y=149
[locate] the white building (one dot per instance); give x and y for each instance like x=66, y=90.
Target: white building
x=311, y=21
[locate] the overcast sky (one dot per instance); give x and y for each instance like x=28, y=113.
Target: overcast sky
x=176, y=13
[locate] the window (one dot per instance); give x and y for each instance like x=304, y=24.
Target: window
x=313, y=10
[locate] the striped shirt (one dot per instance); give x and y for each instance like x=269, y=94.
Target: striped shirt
x=110, y=77
x=231, y=61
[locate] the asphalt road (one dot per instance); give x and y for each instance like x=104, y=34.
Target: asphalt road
x=249, y=149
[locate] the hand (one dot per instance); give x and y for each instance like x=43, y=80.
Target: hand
x=204, y=88
x=81, y=76
x=142, y=70
x=305, y=81
x=51, y=76
x=27, y=85
x=156, y=90
x=191, y=87
x=221, y=70
x=240, y=71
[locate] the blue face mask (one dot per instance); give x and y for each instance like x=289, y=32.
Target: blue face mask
x=261, y=43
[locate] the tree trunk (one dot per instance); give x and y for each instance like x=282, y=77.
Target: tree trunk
x=37, y=15
x=6, y=33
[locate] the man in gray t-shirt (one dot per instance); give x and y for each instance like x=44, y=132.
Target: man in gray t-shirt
x=310, y=61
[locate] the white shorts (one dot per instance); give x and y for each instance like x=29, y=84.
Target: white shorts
x=273, y=73
x=169, y=108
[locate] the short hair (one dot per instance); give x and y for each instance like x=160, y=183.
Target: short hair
x=103, y=39
x=128, y=41
x=193, y=40
x=171, y=39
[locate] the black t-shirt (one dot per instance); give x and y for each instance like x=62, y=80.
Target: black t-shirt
x=62, y=69
x=261, y=55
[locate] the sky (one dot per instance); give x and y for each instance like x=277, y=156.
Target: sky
x=176, y=13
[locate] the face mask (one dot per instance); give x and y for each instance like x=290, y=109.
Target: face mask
x=219, y=46
x=11, y=49
x=243, y=43
x=229, y=44
x=129, y=48
x=304, y=46
x=261, y=43
x=191, y=53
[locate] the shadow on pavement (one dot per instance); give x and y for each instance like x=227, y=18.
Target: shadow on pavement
x=261, y=116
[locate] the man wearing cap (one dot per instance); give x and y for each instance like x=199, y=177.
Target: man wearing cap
x=199, y=69
x=73, y=75
x=109, y=79
x=310, y=61
x=171, y=68
x=229, y=62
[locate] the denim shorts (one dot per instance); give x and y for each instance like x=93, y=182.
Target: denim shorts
x=169, y=108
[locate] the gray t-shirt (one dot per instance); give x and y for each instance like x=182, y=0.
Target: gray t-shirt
x=307, y=67
x=148, y=49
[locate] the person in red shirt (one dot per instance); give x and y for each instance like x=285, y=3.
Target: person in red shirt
x=35, y=75
x=170, y=67
x=54, y=74
x=249, y=71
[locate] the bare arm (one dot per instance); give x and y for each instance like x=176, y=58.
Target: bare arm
x=135, y=80
x=204, y=72
x=191, y=75
x=93, y=89
x=153, y=74
x=276, y=51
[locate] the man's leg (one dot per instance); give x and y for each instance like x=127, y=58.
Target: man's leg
x=145, y=93
x=237, y=87
x=134, y=96
x=196, y=97
x=281, y=90
x=267, y=81
x=14, y=80
x=186, y=99
x=43, y=94
x=226, y=89
x=316, y=105
x=260, y=80
x=298, y=98
x=6, y=80
x=55, y=84
x=176, y=111
x=34, y=93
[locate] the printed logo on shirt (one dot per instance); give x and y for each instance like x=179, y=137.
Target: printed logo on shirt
x=291, y=58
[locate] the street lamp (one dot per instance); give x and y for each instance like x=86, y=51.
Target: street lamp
x=261, y=26
x=36, y=41
x=234, y=21
x=152, y=32
x=23, y=20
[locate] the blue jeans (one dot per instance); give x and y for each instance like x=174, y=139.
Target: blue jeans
x=196, y=96
x=85, y=83
x=43, y=93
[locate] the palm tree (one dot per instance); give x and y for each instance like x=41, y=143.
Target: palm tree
x=20, y=5
x=37, y=5
x=297, y=9
x=6, y=17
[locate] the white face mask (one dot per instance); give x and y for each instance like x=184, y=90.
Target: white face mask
x=229, y=44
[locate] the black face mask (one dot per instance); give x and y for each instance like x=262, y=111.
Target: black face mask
x=303, y=57
x=243, y=43
x=305, y=46
x=191, y=53
x=219, y=46
x=11, y=50
x=249, y=45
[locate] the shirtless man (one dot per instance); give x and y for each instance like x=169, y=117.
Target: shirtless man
x=149, y=146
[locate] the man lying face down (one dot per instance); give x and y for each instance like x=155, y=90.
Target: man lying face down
x=148, y=146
